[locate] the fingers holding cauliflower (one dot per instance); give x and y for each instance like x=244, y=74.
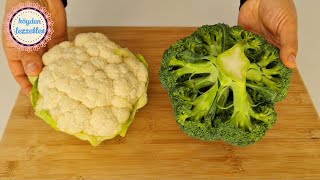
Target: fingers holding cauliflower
x=90, y=88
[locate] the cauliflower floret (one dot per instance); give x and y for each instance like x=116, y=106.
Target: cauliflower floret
x=90, y=85
x=142, y=74
x=112, y=71
x=122, y=114
x=120, y=102
x=103, y=122
x=73, y=116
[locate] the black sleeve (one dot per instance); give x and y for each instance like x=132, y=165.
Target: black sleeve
x=64, y=3
x=242, y=2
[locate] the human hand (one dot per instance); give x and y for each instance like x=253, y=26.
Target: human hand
x=23, y=64
x=277, y=21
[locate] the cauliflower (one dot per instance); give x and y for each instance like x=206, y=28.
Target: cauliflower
x=90, y=88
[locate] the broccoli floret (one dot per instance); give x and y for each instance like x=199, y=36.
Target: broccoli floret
x=213, y=38
x=198, y=130
x=223, y=83
x=270, y=74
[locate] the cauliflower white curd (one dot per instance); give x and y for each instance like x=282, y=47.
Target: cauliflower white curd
x=91, y=88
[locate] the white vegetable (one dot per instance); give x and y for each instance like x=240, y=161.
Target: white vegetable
x=90, y=88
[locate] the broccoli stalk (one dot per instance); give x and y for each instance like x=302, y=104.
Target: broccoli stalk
x=233, y=65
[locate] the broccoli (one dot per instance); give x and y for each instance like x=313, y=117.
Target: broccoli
x=223, y=83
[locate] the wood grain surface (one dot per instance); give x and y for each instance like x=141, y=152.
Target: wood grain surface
x=154, y=147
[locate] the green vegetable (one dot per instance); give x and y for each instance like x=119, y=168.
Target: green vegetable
x=223, y=83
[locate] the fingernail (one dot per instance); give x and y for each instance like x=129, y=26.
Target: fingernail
x=292, y=59
x=30, y=68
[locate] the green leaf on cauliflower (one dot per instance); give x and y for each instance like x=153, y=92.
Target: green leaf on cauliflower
x=141, y=59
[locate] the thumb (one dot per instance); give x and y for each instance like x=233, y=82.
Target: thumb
x=289, y=45
x=32, y=63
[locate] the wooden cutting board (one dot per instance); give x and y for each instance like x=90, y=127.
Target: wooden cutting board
x=154, y=147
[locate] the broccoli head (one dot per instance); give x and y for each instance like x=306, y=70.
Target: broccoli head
x=223, y=83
